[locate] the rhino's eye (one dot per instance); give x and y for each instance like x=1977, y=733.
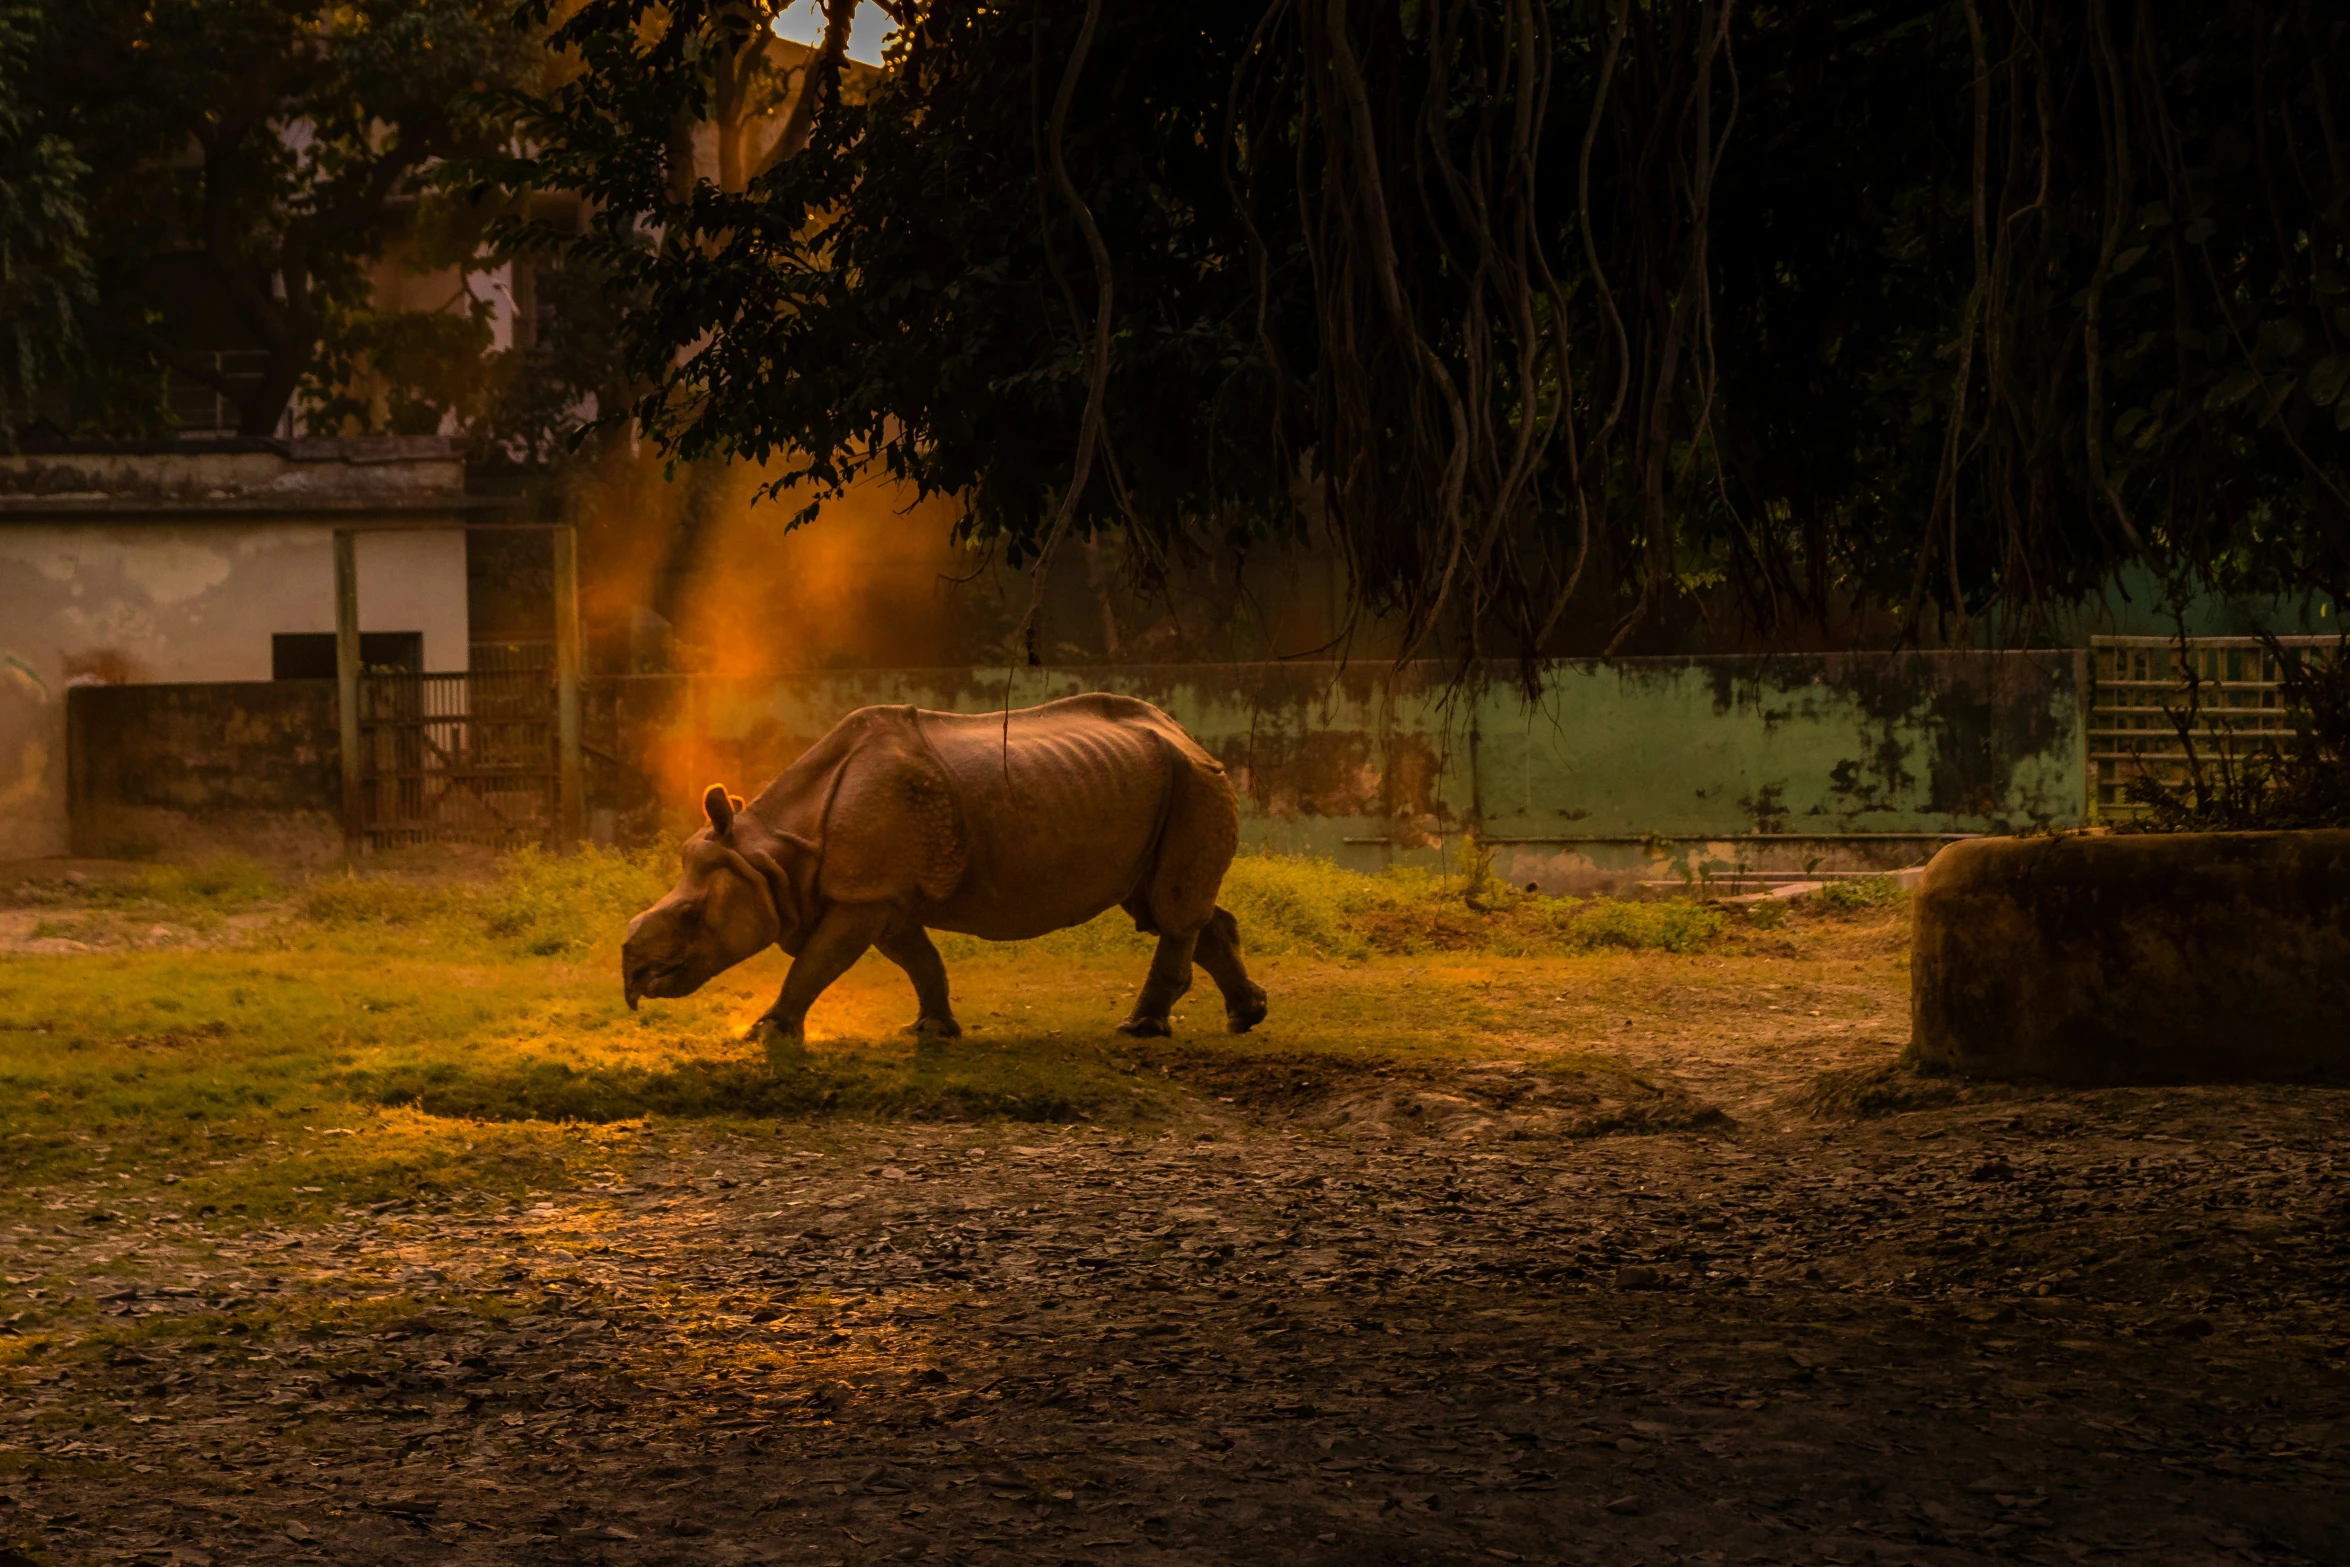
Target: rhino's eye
x=689, y=913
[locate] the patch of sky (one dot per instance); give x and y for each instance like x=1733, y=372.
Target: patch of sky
x=803, y=23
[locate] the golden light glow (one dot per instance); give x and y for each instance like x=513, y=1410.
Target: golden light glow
x=871, y=581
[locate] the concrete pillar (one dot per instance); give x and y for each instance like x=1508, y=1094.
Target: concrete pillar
x=347, y=687
x=570, y=771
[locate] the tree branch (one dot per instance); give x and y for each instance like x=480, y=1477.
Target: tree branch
x=1089, y=428
x=819, y=80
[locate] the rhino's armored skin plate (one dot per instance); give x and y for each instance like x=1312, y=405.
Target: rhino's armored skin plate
x=902, y=821
x=2142, y=958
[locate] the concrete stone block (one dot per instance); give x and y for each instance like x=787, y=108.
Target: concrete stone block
x=2145, y=958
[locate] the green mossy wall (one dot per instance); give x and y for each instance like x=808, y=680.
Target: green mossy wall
x=1612, y=775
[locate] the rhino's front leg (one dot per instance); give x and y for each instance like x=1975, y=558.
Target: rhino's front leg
x=841, y=936
x=911, y=950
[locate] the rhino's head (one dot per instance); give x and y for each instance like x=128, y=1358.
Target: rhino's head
x=722, y=910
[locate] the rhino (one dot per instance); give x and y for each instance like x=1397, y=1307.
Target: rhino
x=1005, y=826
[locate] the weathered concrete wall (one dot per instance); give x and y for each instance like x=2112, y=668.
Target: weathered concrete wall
x=2188, y=957
x=177, y=566
x=1616, y=774
x=1663, y=772
x=117, y=603
x=177, y=770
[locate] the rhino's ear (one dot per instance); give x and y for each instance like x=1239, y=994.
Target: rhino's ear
x=721, y=807
x=735, y=800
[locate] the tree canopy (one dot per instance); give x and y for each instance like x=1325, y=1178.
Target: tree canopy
x=1553, y=316
x=237, y=167
x=44, y=228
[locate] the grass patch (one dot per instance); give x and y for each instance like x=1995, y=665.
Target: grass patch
x=1029, y=1087
x=216, y=884
x=390, y=1037
x=1299, y=906
x=543, y=905
x=1294, y=904
x=539, y=905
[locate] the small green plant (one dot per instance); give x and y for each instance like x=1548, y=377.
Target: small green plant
x=1478, y=885
x=1851, y=897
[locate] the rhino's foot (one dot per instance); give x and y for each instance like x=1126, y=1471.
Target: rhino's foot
x=1240, y=1019
x=1141, y=1027
x=786, y=1044
x=934, y=1028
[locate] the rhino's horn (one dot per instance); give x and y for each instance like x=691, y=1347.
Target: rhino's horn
x=721, y=807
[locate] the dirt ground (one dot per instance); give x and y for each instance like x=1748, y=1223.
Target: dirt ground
x=1830, y=1313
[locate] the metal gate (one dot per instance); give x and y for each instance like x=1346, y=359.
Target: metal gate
x=2156, y=696
x=459, y=757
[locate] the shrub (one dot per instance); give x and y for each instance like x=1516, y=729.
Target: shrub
x=1294, y=903
x=1674, y=925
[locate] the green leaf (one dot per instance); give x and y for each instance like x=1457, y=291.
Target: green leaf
x=2232, y=389
x=2280, y=338
x=2326, y=378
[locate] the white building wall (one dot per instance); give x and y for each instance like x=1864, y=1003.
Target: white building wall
x=181, y=601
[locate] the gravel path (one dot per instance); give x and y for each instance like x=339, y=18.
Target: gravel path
x=2039, y=1327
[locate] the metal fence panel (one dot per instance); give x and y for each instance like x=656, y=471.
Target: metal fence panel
x=458, y=757
x=2161, y=706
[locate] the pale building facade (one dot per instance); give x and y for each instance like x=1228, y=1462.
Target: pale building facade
x=186, y=563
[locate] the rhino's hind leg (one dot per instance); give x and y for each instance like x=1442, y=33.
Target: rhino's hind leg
x=1219, y=954
x=1177, y=899
x=1169, y=978
x=911, y=950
